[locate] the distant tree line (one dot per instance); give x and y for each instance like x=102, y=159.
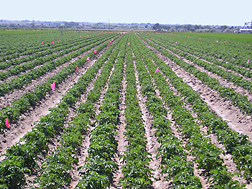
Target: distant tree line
x=133, y=26
x=193, y=28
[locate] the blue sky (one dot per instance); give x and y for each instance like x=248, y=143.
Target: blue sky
x=213, y=12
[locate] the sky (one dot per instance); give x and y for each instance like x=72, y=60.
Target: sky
x=212, y=12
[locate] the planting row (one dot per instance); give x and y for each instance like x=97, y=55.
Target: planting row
x=21, y=80
x=40, y=59
x=24, y=45
x=235, y=53
x=99, y=166
x=136, y=173
x=236, y=144
x=73, y=136
x=228, y=75
x=21, y=158
x=244, y=71
x=22, y=104
x=237, y=99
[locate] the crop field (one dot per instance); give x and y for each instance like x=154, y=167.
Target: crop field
x=96, y=109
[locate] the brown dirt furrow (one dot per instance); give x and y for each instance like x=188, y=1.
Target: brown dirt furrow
x=26, y=121
x=197, y=172
x=17, y=93
x=152, y=144
x=222, y=81
x=236, y=120
x=36, y=67
x=54, y=143
x=228, y=162
x=120, y=138
x=219, y=59
x=85, y=144
x=5, y=70
x=28, y=61
x=238, y=74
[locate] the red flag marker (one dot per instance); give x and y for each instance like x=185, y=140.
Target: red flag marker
x=7, y=122
x=87, y=59
x=52, y=42
x=176, y=42
x=77, y=68
x=95, y=51
x=217, y=41
x=42, y=43
x=53, y=85
x=157, y=71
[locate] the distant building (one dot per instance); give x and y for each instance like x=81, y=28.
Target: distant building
x=246, y=28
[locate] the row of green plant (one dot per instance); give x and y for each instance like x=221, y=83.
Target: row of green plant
x=135, y=160
x=173, y=156
x=237, y=99
x=228, y=75
x=63, y=51
x=73, y=136
x=37, y=53
x=12, y=48
x=21, y=158
x=237, y=54
x=244, y=71
x=236, y=144
x=207, y=155
x=21, y=80
x=22, y=104
x=100, y=165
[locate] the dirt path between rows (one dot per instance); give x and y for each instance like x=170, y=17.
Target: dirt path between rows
x=36, y=67
x=197, y=172
x=73, y=172
x=236, y=120
x=86, y=142
x=8, y=98
x=227, y=158
x=221, y=80
x=238, y=74
x=219, y=59
x=26, y=121
x=152, y=144
x=120, y=137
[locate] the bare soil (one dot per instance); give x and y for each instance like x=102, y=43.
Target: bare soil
x=26, y=121
x=152, y=144
x=236, y=120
